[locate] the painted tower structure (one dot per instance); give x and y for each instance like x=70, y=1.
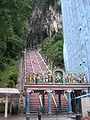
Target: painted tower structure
x=76, y=28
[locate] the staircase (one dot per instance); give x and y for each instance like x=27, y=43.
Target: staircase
x=52, y=104
x=34, y=103
x=64, y=104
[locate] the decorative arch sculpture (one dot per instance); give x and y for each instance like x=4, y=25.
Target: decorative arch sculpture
x=58, y=76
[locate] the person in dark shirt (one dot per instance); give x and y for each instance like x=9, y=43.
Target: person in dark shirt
x=39, y=113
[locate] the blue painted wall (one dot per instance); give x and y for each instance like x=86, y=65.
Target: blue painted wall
x=76, y=28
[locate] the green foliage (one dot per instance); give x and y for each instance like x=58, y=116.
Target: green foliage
x=9, y=75
x=53, y=49
x=57, y=6
x=48, y=3
x=13, y=17
x=32, y=3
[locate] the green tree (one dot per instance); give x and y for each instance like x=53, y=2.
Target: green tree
x=53, y=49
x=13, y=17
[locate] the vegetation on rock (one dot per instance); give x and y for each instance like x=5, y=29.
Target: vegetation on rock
x=16, y=33
x=45, y=17
x=44, y=14
x=13, y=17
x=53, y=49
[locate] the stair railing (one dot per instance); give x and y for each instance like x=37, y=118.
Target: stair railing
x=40, y=98
x=54, y=100
x=65, y=96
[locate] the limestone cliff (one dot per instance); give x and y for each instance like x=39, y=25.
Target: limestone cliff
x=44, y=21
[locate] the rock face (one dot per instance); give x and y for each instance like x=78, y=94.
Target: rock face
x=45, y=20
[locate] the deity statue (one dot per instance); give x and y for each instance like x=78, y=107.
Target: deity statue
x=73, y=77
x=30, y=79
x=83, y=78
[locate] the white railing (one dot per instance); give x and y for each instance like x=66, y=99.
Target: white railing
x=54, y=100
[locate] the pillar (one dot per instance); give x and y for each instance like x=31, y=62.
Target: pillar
x=27, y=106
x=49, y=103
x=59, y=103
x=77, y=105
x=10, y=105
x=69, y=102
x=88, y=89
x=43, y=103
x=6, y=106
x=73, y=102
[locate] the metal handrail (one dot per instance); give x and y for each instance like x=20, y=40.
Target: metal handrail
x=40, y=98
x=54, y=100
